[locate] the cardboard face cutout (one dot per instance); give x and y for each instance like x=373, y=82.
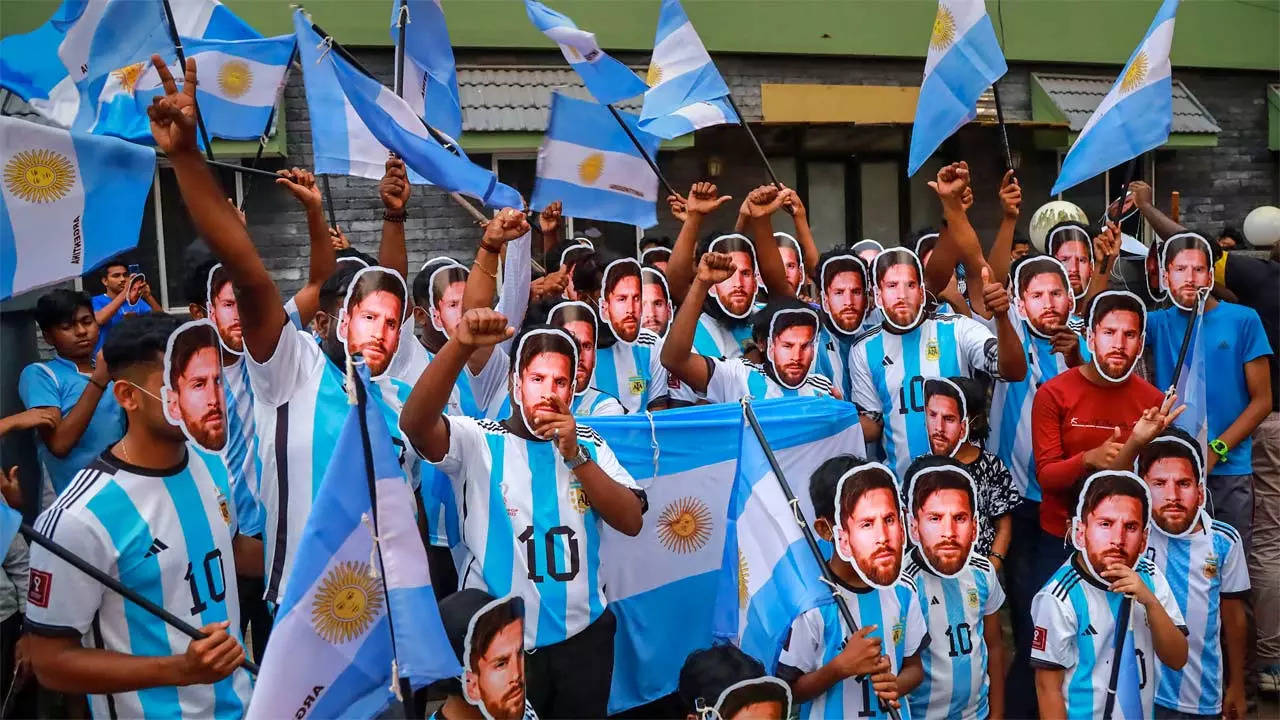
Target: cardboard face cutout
x=924, y=247
x=763, y=698
x=1176, y=482
x=737, y=294
x=1072, y=246
x=1186, y=272
x=945, y=523
x=1046, y=301
x=1153, y=274
x=223, y=309
x=493, y=678
x=655, y=302
x=899, y=291
x=842, y=282
x=621, y=299
x=576, y=318
x=792, y=350
x=946, y=416
x=446, y=296
x=1115, y=530
x=867, y=250
x=792, y=259
x=1117, y=342
x=192, y=393
x=371, y=319
x=550, y=372
x=656, y=257
x=869, y=532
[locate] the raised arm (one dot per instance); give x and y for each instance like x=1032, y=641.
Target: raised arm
x=792, y=204
x=103, y=316
x=483, y=279
x=63, y=435
x=173, y=122
x=550, y=221
x=702, y=201
x=1106, y=248
x=302, y=185
x=758, y=210
x=958, y=242
x=677, y=350
x=1165, y=226
x=1012, y=361
x=1002, y=250
x=394, y=189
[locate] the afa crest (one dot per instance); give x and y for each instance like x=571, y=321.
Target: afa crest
x=636, y=385
x=971, y=598
x=931, y=352
x=347, y=602
x=899, y=630
x=577, y=498
x=225, y=508
x=1210, y=567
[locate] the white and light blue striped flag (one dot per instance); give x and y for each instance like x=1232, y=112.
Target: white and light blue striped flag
x=685, y=91
x=1137, y=113
x=356, y=615
x=587, y=162
x=431, y=78
x=1192, y=387
x=964, y=60
x=608, y=80
x=61, y=68
x=70, y=201
x=659, y=583
x=209, y=20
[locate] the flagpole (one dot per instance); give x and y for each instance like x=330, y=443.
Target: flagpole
x=1186, y=339
x=401, y=22
x=1124, y=189
x=182, y=60
x=1117, y=654
x=653, y=165
x=120, y=588
x=756, y=143
x=1004, y=132
x=271, y=118
x=328, y=200
x=810, y=540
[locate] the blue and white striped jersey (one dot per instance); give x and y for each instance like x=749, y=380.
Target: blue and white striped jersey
x=731, y=380
x=887, y=372
x=165, y=534
x=528, y=525
x=832, y=357
x=241, y=451
x=818, y=635
x=300, y=405
x=1010, y=415
x=595, y=403
x=956, y=682
x=632, y=373
x=1202, y=568
x=411, y=360
x=715, y=339
x=1075, y=619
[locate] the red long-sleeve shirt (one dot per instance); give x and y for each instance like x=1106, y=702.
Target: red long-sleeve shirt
x=1070, y=416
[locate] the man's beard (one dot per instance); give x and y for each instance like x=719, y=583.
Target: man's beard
x=876, y=574
x=1101, y=561
x=211, y=438
x=1109, y=368
x=940, y=445
x=1175, y=526
x=944, y=566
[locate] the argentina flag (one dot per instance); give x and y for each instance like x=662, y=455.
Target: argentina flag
x=964, y=60
x=587, y=162
x=209, y=20
x=1191, y=384
x=431, y=78
x=1137, y=113
x=608, y=80
x=684, y=458
x=685, y=91
x=356, y=614
x=70, y=201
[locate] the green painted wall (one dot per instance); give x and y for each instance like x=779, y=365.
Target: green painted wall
x=1242, y=34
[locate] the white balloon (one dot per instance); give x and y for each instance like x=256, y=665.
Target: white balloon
x=1262, y=226
x=1050, y=214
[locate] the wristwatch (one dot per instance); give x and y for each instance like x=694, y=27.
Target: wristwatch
x=1220, y=449
x=577, y=461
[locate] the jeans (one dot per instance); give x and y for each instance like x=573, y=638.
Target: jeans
x=1264, y=555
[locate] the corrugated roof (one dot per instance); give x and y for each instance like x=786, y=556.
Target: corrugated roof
x=1078, y=96
x=517, y=98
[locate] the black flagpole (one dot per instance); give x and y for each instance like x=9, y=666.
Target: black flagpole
x=812, y=542
x=1117, y=655
x=121, y=589
x=755, y=143
x=1004, y=132
x=653, y=165
x=182, y=60
x=328, y=201
x=271, y=118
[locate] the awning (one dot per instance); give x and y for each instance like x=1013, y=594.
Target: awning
x=1273, y=117
x=865, y=105
x=1071, y=99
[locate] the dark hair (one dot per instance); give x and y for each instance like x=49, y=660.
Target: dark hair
x=1030, y=267
x=764, y=691
x=379, y=279
x=588, y=272
x=708, y=672
x=626, y=267
x=853, y=247
x=651, y=255
x=1106, y=303
x=1162, y=447
x=1178, y=243
x=58, y=307
x=559, y=317
x=825, y=480
x=871, y=478
x=138, y=340
x=649, y=241
x=841, y=261
x=1079, y=233
x=553, y=255
x=335, y=287
x=421, y=289
x=185, y=346
x=925, y=241
x=542, y=342
x=975, y=405
x=761, y=321
x=350, y=252
x=1109, y=484
x=937, y=386
x=658, y=277
x=114, y=262
x=1021, y=239
x=930, y=473
x=489, y=624
x=196, y=287
x=1231, y=231
x=446, y=276
x=894, y=256
x=733, y=244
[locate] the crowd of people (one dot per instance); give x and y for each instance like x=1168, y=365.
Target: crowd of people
x=1026, y=463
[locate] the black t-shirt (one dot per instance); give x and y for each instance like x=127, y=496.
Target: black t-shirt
x=1255, y=282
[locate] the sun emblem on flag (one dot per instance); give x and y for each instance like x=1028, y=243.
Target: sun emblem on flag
x=128, y=75
x=684, y=526
x=591, y=168
x=235, y=78
x=346, y=603
x=944, y=29
x=744, y=577
x=654, y=76
x=39, y=176
x=1136, y=74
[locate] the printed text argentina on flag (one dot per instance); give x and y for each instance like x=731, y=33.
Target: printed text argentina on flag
x=688, y=456
x=332, y=651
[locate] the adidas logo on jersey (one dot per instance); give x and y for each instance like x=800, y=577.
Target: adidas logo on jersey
x=1089, y=631
x=887, y=361
x=156, y=546
x=933, y=601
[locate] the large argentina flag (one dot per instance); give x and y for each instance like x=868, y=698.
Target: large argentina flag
x=333, y=653
x=608, y=80
x=431, y=77
x=661, y=583
x=1137, y=113
x=685, y=91
x=589, y=164
x=70, y=201
x=964, y=60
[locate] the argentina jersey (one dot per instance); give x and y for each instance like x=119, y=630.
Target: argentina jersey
x=1074, y=617
x=955, y=663
x=731, y=380
x=241, y=451
x=528, y=526
x=887, y=372
x=165, y=534
x=832, y=356
x=715, y=339
x=1202, y=568
x=632, y=373
x=1010, y=415
x=595, y=403
x=819, y=634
